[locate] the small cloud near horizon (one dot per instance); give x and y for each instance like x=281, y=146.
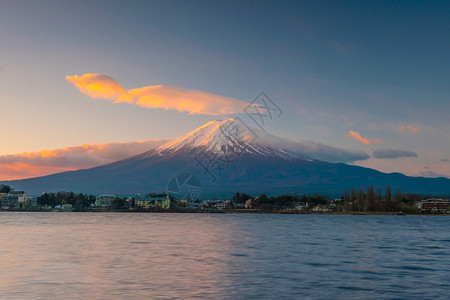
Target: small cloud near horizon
x=409, y=128
x=99, y=86
x=357, y=136
x=392, y=154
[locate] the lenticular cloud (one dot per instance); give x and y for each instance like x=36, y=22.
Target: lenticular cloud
x=101, y=86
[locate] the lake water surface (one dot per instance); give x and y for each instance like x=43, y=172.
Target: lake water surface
x=223, y=256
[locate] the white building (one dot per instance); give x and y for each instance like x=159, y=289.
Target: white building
x=105, y=200
x=21, y=195
x=13, y=199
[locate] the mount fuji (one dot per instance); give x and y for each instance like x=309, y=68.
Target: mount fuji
x=221, y=158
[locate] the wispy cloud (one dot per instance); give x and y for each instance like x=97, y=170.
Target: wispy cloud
x=45, y=162
x=156, y=96
x=328, y=153
x=392, y=153
x=356, y=136
x=339, y=47
x=315, y=150
x=409, y=128
x=431, y=174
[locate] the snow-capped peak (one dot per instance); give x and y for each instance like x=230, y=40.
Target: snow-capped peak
x=223, y=137
x=212, y=136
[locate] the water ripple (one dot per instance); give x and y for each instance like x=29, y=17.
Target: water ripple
x=197, y=256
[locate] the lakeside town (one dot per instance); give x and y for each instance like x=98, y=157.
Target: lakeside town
x=351, y=202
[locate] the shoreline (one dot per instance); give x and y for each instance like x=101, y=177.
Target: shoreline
x=247, y=211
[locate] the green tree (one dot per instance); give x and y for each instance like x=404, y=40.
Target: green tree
x=241, y=197
x=46, y=199
x=119, y=203
x=5, y=188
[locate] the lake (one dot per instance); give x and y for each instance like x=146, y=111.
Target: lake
x=222, y=256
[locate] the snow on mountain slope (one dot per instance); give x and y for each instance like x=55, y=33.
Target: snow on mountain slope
x=223, y=137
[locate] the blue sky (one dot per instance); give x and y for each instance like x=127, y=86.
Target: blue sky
x=378, y=68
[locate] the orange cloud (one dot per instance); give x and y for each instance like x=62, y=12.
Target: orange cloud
x=18, y=170
x=409, y=128
x=97, y=86
x=356, y=136
x=157, y=96
x=45, y=162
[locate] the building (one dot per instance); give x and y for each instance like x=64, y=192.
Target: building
x=216, y=204
x=322, y=208
x=220, y=205
x=67, y=207
x=239, y=205
x=194, y=205
x=33, y=201
x=13, y=199
x=248, y=203
x=152, y=202
x=21, y=195
x=105, y=200
x=10, y=202
x=300, y=205
x=1, y=196
x=434, y=205
x=130, y=202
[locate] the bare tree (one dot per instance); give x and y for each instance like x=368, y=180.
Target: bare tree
x=388, y=198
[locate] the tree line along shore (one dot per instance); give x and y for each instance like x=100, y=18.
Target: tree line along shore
x=353, y=201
